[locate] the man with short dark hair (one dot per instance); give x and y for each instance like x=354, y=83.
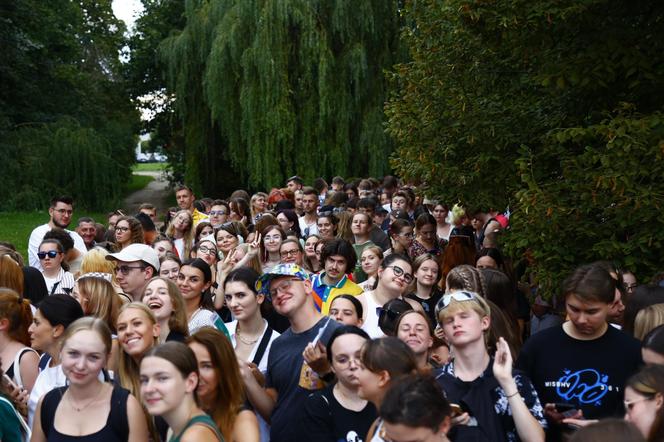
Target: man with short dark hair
x=585, y=362
x=150, y=210
x=338, y=184
x=185, y=198
x=291, y=252
x=308, y=221
x=294, y=183
x=60, y=211
x=219, y=212
x=136, y=264
x=338, y=258
x=87, y=228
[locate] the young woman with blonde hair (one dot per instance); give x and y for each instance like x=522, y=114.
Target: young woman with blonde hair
x=181, y=231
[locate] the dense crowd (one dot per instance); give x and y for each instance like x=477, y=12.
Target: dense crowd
x=359, y=311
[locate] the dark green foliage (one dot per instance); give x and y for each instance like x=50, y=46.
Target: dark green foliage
x=551, y=107
x=66, y=121
x=266, y=89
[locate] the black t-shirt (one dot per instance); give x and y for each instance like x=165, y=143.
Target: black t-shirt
x=429, y=305
x=293, y=379
x=589, y=374
x=326, y=420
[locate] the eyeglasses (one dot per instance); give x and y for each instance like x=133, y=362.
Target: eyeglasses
x=629, y=405
x=207, y=250
x=126, y=269
x=287, y=253
x=400, y=273
x=121, y=229
x=282, y=287
x=51, y=254
x=64, y=211
x=630, y=287
x=218, y=212
x=460, y=296
x=346, y=360
x=272, y=238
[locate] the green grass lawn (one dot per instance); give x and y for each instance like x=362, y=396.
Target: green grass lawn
x=149, y=167
x=15, y=227
x=138, y=182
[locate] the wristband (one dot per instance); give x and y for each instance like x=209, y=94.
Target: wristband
x=512, y=395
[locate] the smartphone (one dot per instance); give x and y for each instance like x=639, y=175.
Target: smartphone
x=456, y=410
x=567, y=410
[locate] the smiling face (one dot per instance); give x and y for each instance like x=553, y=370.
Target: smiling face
x=82, y=357
x=390, y=281
x=226, y=241
x=185, y=199
x=272, y=241
x=242, y=301
x=156, y=297
x=163, y=388
x=182, y=221
x=370, y=262
x=427, y=273
x=169, y=269
x=88, y=231
x=136, y=332
x=325, y=227
x=191, y=282
x=289, y=295
x=415, y=332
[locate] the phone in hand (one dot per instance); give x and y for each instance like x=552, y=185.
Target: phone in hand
x=456, y=410
x=567, y=410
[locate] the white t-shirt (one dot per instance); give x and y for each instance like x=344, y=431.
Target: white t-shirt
x=36, y=238
x=262, y=364
x=313, y=227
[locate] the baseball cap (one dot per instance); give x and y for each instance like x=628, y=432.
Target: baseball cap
x=263, y=283
x=136, y=252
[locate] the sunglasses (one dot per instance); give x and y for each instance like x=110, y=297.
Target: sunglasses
x=51, y=254
x=400, y=273
x=460, y=296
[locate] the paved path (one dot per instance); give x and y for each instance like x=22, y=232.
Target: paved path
x=156, y=192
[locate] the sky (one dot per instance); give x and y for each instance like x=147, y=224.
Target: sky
x=127, y=10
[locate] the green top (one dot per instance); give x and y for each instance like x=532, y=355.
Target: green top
x=10, y=427
x=201, y=419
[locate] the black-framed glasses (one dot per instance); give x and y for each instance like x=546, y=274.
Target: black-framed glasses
x=51, y=254
x=121, y=229
x=64, y=211
x=208, y=250
x=401, y=273
x=287, y=253
x=124, y=269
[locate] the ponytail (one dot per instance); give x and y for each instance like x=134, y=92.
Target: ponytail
x=17, y=311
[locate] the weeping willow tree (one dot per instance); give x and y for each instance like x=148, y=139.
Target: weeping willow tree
x=269, y=88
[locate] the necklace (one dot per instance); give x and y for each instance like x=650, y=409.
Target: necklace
x=79, y=409
x=245, y=341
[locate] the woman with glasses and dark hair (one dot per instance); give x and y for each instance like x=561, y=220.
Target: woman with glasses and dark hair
x=289, y=221
x=338, y=413
x=128, y=230
x=203, y=229
x=56, y=275
x=392, y=281
x=473, y=376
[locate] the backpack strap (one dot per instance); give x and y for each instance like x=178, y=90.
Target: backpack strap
x=265, y=340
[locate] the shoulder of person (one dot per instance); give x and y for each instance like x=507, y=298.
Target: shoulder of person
x=536, y=341
x=199, y=433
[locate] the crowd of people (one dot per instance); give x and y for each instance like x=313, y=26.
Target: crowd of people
x=355, y=311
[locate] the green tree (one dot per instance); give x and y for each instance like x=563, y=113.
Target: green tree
x=266, y=89
x=61, y=79
x=502, y=103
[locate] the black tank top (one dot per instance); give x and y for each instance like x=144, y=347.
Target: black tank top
x=116, y=428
